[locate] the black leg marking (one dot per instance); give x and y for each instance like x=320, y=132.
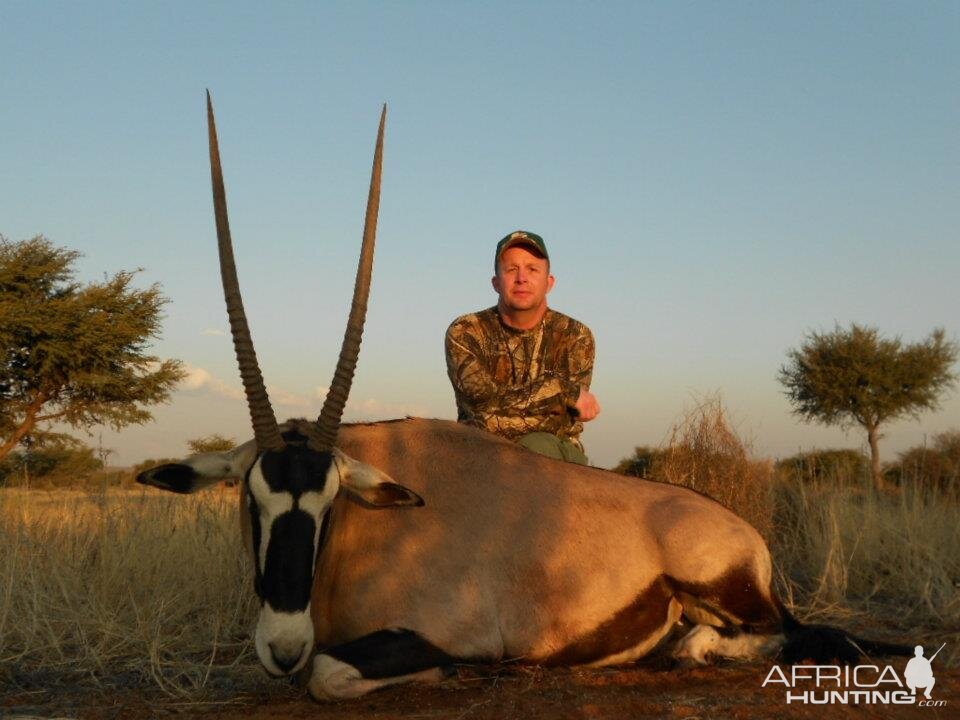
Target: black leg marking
x=390, y=653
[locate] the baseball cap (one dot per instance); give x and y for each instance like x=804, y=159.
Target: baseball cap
x=520, y=237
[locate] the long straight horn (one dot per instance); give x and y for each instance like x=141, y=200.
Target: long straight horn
x=329, y=420
x=265, y=428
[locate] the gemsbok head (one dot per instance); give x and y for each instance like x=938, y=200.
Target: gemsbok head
x=292, y=479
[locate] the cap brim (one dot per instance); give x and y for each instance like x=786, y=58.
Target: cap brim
x=521, y=242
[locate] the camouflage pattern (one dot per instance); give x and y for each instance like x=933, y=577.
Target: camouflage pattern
x=514, y=382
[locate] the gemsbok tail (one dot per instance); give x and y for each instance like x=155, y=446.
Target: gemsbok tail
x=824, y=644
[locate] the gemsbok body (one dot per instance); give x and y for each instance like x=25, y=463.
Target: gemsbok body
x=385, y=552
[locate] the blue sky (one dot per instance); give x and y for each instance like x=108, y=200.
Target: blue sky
x=713, y=180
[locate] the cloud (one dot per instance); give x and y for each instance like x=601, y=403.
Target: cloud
x=200, y=380
x=214, y=331
x=196, y=378
x=372, y=408
x=279, y=396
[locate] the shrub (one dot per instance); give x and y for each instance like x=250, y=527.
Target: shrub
x=935, y=467
x=641, y=463
x=841, y=466
x=55, y=460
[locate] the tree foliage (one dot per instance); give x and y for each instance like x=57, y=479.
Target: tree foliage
x=211, y=443
x=857, y=377
x=74, y=353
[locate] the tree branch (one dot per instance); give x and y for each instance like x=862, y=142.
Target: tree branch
x=29, y=422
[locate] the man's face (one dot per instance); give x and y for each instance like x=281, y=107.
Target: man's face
x=523, y=279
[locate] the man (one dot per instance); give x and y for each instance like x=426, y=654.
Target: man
x=520, y=369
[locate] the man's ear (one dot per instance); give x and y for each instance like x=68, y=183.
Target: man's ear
x=497, y=285
x=371, y=487
x=550, y=282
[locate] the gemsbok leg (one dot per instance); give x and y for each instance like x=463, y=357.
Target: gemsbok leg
x=382, y=658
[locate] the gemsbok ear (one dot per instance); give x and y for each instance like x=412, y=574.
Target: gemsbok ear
x=370, y=487
x=202, y=471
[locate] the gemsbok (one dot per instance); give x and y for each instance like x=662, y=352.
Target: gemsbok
x=386, y=552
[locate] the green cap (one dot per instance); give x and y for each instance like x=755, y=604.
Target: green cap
x=520, y=237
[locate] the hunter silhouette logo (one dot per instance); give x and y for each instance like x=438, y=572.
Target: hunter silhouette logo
x=919, y=673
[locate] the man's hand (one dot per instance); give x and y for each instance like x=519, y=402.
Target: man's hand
x=586, y=407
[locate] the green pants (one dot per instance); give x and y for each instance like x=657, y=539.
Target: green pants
x=554, y=447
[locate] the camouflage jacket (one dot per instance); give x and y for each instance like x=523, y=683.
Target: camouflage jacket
x=513, y=382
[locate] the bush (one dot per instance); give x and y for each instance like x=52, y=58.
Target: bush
x=54, y=460
x=641, y=463
x=936, y=467
x=840, y=466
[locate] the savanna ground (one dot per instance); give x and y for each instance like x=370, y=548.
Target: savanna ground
x=129, y=603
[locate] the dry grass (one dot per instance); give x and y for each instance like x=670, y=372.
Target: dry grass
x=127, y=588
x=879, y=560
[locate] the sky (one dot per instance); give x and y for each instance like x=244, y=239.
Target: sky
x=714, y=180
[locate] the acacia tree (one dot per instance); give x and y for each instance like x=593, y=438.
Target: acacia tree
x=211, y=443
x=856, y=377
x=74, y=353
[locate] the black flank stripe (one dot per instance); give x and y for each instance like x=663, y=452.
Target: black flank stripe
x=626, y=629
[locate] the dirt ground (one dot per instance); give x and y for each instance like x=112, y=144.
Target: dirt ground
x=496, y=693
